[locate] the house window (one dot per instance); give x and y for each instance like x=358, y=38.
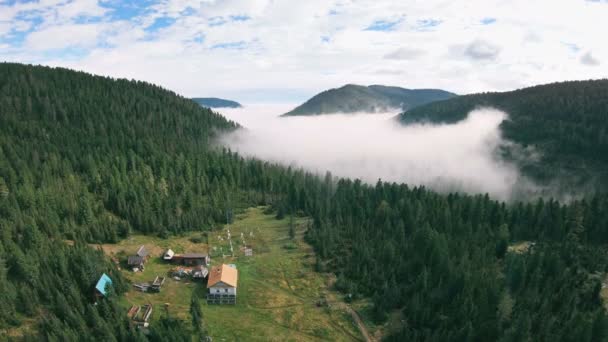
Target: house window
x=225, y=290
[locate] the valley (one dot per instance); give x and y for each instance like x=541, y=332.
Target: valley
x=92, y=168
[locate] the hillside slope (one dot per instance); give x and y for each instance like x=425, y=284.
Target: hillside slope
x=97, y=160
x=93, y=159
x=567, y=123
x=214, y=102
x=353, y=98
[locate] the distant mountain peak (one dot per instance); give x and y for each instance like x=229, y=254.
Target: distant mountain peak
x=353, y=98
x=214, y=102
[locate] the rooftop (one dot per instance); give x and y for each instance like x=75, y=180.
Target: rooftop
x=169, y=254
x=135, y=260
x=193, y=255
x=142, y=252
x=225, y=274
x=102, y=283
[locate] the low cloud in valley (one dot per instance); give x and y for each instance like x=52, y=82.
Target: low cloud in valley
x=458, y=157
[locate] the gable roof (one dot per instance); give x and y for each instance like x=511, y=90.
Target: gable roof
x=142, y=252
x=225, y=274
x=102, y=283
x=135, y=260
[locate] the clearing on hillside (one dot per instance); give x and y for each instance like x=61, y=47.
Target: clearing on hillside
x=280, y=296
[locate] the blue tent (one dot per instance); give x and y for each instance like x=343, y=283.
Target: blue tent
x=102, y=283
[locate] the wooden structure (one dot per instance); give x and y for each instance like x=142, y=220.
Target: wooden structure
x=153, y=286
x=168, y=254
x=157, y=284
x=137, y=261
x=143, y=287
x=222, y=285
x=200, y=272
x=133, y=311
x=140, y=315
x=191, y=259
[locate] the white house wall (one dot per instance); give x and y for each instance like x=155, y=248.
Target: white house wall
x=221, y=288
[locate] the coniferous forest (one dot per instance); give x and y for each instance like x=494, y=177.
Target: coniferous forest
x=92, y=159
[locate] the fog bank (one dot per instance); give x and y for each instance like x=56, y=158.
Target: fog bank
x=458, y=157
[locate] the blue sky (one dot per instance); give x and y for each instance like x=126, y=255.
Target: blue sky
x=384, y=25
x=286, y=51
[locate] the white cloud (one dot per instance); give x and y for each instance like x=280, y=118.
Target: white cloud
x=589, y=59
x=481, y=50
x=60, y=37
x=52, y=11
x=286, y=48
x=5, y=28
x=404, y=53
x=444, y=157
x=78, y=8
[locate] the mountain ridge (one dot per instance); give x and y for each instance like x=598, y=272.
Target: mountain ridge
x=216, y=102
x=352, y=98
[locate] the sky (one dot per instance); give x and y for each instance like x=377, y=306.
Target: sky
x=285, y=51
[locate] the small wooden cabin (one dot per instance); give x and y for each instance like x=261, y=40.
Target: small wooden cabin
x=192, y=259
x=139, y=259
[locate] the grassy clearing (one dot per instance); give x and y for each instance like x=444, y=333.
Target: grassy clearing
x=521, y=247
x=278, y=288
x=27, y=327
x=175, y=293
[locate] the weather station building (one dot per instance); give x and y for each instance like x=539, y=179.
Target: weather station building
x=222, y=284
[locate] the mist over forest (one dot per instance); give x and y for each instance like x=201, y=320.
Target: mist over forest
x=445, y=157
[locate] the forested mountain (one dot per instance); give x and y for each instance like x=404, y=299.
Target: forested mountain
x=565, y=123
x=93, y=159
x=214, y=102
x=353, y=98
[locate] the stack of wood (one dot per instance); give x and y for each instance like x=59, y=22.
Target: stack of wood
x=154, y=286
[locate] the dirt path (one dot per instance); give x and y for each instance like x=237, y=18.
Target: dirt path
x=360, y=324
x=355, y=316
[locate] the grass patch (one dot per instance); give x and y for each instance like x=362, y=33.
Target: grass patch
x=521, y=247
x=278, y=289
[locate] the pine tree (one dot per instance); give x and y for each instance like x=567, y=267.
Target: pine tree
x=196, y=313
x=292, y=227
